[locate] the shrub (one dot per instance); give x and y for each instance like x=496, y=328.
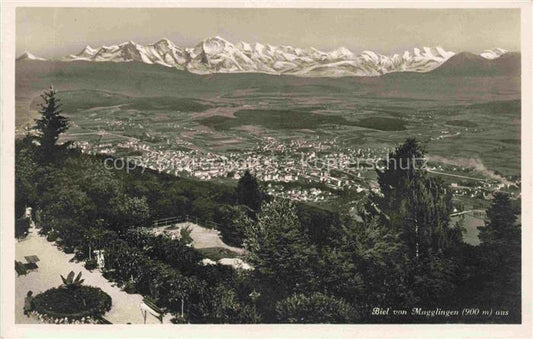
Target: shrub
x=52, y=236
x=22, y=226
x=73, y=303
x=20, y=268
x=79, y=256
x=317, y=308
x=90, y=264
x=129, y=287
x=178, y=319
x=185, y=235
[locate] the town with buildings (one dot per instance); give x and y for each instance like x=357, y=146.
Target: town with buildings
x=303, y=170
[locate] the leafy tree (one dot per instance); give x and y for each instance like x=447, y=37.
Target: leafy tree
x=249, y=192
x=432, y=279
x=131, y=211
x=203, y=208
x=279, y=249
x=367, y=266
x=313, y=309
x=220, y=304
x=229, y=222
x=51, y=124
x=320, y=224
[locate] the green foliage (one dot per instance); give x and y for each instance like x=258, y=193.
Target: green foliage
x=90, y=264
x=129, y=287
x=132, y=211
x=321, y=225
x=22, y=225
x=164, y=248
x=204, y=207
x=416, y=208
x=50, y=125
x=221, y=305
x=20, y=268
x=414, y=204
x=311, y=265
x=249, y=192
x=279, y=249
x=217, y=253
x=315, y=309
x=70, y=282
x=185, y=235
x=74, y=304
x=501, y=256
x=228, y=219
x=502, y=225
x=26, y=173
x=367, y=266
x=52, y=236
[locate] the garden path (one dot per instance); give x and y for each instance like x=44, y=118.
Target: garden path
x=53, y=263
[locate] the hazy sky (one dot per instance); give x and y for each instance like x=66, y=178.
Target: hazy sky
x=55, y=32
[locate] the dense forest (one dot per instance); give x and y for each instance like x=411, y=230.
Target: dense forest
x=310, y=265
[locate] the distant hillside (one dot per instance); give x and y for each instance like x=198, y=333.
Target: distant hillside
x=137, y=79
x=468, y=64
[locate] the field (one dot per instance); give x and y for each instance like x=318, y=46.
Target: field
x=454, y=117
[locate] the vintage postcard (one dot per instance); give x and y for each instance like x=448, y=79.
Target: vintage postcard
x=268, y=167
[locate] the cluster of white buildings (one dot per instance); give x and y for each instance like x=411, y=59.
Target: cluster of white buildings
x=271, y=162
x=319, y=162
x=300, y=194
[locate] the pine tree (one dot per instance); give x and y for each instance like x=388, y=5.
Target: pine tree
x=413, y=203
x=502, y=222
x=417, y=207
x=249, y=192
x=501, y=256
x=51, y=124
x=400, y=165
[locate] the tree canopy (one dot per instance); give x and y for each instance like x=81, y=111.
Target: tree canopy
x=51, y=123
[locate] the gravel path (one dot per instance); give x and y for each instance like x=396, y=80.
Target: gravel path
x=53, y=262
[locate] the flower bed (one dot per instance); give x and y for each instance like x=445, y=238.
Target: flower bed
x=81, y=303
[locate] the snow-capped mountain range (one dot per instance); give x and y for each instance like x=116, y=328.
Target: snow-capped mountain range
x=491, y=54
x=28, y=56
x=217, y=55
